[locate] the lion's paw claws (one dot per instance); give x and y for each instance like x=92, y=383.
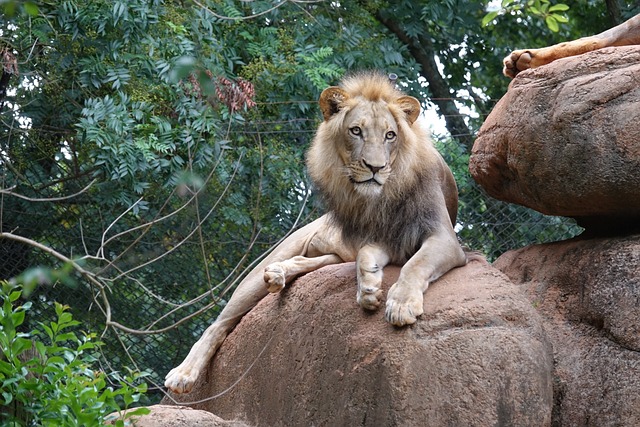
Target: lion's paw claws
x=369, y=298
x=274, y=277
x=180, y=380
x=403, y=306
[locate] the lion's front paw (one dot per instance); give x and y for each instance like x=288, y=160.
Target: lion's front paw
x=274, y=277
x=181, y=379
x=519, y=60
x=404, y=305
x=369, y=297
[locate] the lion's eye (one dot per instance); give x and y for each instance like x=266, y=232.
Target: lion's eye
x=390, y=135
x=356, y=131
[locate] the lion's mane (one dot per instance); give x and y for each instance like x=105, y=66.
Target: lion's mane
x=407, y=209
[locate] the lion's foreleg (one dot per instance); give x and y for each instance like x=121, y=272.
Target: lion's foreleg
x=278, y=274
x=248, y=293
x=324, y=248
x=369, y=264
x=439, y=254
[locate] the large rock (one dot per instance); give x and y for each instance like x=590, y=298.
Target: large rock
x=312, y=356
x=565, y=139
x=588, y=292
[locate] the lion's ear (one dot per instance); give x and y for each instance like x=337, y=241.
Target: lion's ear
x=410, y=106
x=330, y=100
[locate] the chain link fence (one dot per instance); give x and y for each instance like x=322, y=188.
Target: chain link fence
x=157, y=286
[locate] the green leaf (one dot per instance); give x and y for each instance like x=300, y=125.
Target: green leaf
x=182, y=67
x=31, y=8
x=9, y=8
x=137, y=412
x=47, y=331
x=20, y=345
x=17, y=318
x=59, y=309
x=13, y=296
x=488, y=18
x=560, y=7
x=6, y=367
x=560, y=18
x=66, y=320
x=552, y=24
x=69, y=336
x=52, y=361
x=40, y=347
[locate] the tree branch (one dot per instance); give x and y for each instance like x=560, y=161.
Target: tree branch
x=9, y=192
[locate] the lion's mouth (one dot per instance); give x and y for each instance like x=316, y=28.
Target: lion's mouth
x=369, y=181
x=367, y=187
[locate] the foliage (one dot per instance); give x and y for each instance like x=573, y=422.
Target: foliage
x=48, y=376
x=550, y=13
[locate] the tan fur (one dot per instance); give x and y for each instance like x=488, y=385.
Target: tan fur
x=625, y=34
x=390, y=198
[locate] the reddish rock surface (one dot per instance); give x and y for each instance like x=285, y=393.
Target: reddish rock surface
x=565, y=140
x=311, y=356
x=588, y=293
x=175, y=416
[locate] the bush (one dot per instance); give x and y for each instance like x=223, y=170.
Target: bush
x=47, y=376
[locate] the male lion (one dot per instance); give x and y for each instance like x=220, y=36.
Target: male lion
x=390, y=197
x=625, y=34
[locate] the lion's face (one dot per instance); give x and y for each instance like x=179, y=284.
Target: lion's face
x=370, y=143
x=366, y=133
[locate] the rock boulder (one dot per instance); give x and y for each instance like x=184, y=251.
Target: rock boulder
x=588, y=293
x=311, y=356
x=174, y=416
x=565, y=140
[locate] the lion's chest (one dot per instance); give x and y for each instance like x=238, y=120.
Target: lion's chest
x=399, y=227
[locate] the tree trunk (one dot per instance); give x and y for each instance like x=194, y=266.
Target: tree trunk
x=615, y=14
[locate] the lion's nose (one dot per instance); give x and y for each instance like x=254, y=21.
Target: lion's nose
x=373, y=168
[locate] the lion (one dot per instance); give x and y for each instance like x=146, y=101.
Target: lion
x=390, y=198
x=625, y=34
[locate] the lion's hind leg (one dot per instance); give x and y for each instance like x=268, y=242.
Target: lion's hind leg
x=625, y=34
x=182, y=378
x=248, y=293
